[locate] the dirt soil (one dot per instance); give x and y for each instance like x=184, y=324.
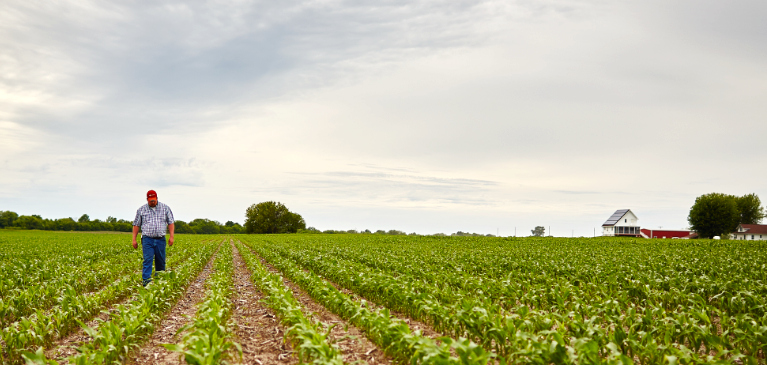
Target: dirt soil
x=256, y=328
x=353, y=343
x=182, y=313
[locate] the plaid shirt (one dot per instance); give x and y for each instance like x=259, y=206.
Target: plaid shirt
x=153, y=221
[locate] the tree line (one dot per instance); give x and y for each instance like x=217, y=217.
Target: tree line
x=391, y=232
x=9, y=219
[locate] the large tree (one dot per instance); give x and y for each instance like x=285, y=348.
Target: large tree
x=29, y=222
x=272, y=217
x=750, y=208
x=714, y=214
x=205, y=226
x=7, y=218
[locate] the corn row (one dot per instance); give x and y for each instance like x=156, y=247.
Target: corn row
x=390, y=333
x=554, y=308
x=42, y=328
x=20, y=303
x=207, y=339
x=308, y=340
x=131, y=324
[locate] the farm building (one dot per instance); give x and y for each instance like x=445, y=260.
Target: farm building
x=668, y=233
x=622, y=223
x=750, y=232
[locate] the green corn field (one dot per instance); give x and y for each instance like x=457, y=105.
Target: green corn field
x=485, y=300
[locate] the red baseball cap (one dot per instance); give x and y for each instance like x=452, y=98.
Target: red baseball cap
x=151, y=194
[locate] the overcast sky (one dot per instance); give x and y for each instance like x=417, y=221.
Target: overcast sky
x=423, y=116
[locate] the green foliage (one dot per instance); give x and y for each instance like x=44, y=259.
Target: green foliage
x=391, y=232
x=549, y=300
x=391, y=334
x=495, y=300
x=182, y=227
x=37, y=358
x=10, y=219
x=308, y=338
x=84, y=223
x=207, y=339
x=714, y=214
x=29, y=222
x=539, y=231
x=7, y=218
x=130, y=324
x=750, y=208
x=60, y=280
x=467, y=234
x=205, y=226
x=272, y=217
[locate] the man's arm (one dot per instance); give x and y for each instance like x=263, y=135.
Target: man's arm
x=136, y=223
x=171, y=224
x=135, y=233
x=172, y=230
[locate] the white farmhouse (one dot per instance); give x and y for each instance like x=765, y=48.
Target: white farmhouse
x=750, y=232
x=622, y=223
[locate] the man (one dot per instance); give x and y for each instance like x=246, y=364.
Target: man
x=153, y=218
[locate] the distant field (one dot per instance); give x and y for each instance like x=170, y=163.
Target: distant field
x=473, y=299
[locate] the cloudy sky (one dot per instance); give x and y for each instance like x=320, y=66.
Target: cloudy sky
x=423, y=116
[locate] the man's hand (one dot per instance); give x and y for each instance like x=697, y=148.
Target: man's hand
x=170, y=241
x=135, y=244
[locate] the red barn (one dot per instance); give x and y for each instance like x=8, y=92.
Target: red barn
x=667, y=233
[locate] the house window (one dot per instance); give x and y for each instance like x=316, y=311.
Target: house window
x=625, y=221
x=752, y=236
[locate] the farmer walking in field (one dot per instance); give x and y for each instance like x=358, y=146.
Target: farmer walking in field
x=153, y=218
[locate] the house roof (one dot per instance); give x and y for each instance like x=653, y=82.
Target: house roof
x=615, y=217
x=753, y=228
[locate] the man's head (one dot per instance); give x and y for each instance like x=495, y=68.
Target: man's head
x=151, y=198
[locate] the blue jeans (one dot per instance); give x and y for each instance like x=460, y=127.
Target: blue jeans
x=154, y=249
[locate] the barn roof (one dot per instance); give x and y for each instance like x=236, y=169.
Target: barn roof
x=754, y=228
x=615, y=217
